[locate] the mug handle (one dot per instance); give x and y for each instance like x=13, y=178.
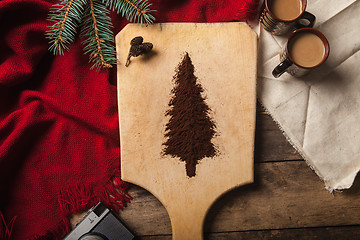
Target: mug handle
x=306, y=16
x=281, y=68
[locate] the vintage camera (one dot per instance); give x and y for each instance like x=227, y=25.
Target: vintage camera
x=100, y=224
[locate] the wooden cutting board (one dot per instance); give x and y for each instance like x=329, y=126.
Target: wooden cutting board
x=224, y=57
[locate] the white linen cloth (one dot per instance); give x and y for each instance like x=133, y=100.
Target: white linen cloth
x=320, y=112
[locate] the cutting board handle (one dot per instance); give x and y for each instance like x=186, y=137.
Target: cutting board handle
x=187, y=223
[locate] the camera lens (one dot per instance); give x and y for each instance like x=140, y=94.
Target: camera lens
x=93, y=236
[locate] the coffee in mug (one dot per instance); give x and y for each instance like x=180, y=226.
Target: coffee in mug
x=306, y=49
x=279, y=16
x=286, y=9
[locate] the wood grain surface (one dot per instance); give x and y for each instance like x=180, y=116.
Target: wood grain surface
x=286, y=201
x=144, y=87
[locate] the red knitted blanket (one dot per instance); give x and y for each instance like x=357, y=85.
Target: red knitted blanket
x=59, y=136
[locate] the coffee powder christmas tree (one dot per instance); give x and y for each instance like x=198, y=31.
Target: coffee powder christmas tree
x=190, y=129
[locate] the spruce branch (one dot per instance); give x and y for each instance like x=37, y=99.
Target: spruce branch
x=67, y=16
x=133, y=10
x=99, y=38
x=92, y=17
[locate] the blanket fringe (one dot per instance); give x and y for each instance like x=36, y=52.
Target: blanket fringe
x=6, y=228
x=76, y=199
x=54, y=234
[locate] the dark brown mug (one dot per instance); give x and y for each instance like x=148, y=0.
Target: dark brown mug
x=306, y=49
x=279, y=22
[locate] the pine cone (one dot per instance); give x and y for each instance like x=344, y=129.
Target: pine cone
x=136, y=41
x=146, y=47
x=137, y=50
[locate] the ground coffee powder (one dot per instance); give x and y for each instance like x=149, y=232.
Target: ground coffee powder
x=190, y=128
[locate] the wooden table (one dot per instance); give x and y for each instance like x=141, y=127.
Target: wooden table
x=286, y=201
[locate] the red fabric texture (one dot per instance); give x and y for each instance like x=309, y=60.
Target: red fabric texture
x=59, y=135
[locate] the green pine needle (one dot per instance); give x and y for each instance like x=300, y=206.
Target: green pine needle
x=67, y=16
x=134, y=10
x=99, y=38
x=92, y=17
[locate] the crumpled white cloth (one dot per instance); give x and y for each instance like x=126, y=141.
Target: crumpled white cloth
x=320, y=112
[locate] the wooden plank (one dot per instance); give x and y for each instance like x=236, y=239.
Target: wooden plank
x=284, y=195
x=322, y=233
x=270, y=143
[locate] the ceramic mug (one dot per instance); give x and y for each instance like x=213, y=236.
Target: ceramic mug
x=305, y=49
x=279, y=16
